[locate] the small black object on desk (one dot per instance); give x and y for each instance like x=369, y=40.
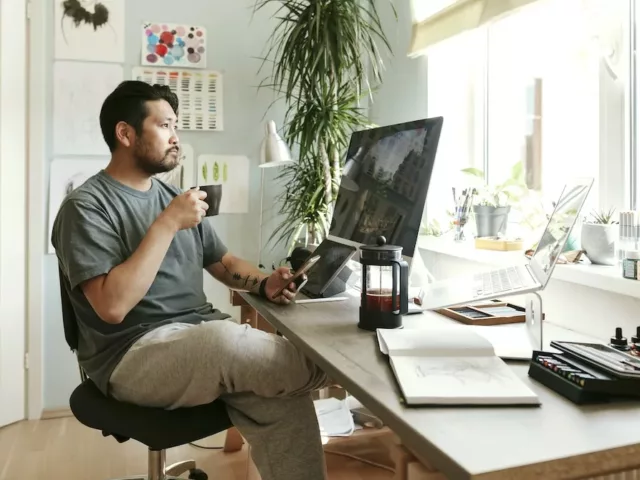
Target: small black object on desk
x=619, y=342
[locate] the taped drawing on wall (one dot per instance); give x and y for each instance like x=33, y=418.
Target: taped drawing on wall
x=79, y=89
x=89, y=30
x=199, y=94
x=170, y=44
x=232, y=173
x=65, y=176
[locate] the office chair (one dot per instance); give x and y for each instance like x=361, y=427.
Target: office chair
x=157, y=428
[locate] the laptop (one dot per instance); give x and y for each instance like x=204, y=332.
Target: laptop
x=516, y=279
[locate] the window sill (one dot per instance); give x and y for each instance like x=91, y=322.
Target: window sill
x=595, y=276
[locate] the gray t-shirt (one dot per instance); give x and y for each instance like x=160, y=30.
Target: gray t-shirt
x=98, y=226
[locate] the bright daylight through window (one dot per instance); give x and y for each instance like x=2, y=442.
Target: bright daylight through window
x=530, y=100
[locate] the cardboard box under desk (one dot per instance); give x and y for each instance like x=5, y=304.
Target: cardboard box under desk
x=472, y=314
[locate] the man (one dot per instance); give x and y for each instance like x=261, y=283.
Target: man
x=132, y=250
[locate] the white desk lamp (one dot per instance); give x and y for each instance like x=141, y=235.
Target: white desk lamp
x=274, y=152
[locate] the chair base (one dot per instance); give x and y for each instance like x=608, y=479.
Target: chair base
x=144, y=477
x=158, y=470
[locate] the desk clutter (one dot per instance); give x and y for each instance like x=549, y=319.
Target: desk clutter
x=500, y=244
x=341, y=417
x=587, y=372
x=492, y=312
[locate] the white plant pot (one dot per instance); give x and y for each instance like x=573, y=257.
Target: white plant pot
x=599, y=243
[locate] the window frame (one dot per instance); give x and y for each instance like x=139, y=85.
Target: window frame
x=627, y=172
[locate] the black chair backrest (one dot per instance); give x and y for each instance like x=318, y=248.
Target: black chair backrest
x=68, y=315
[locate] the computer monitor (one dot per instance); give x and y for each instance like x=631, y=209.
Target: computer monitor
x=385, y=183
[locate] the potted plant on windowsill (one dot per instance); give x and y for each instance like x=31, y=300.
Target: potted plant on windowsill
x=492, y=203
x=598, y=237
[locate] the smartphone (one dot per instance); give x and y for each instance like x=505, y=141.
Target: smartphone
x=297, y=275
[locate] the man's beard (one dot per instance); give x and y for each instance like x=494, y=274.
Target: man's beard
x=152, y=165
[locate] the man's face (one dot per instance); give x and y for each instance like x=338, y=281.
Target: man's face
x=156, y=149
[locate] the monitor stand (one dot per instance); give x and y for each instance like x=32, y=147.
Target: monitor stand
x=332, y=269
x=337, y=286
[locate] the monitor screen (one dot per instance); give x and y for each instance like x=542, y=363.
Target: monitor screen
x=385, y=183
x=559, y=227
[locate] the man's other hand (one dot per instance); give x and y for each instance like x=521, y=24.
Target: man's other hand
x=275, y=282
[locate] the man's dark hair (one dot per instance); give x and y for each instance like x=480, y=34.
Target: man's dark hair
x=127, y=103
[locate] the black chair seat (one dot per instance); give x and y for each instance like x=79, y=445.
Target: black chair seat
x=155, y=427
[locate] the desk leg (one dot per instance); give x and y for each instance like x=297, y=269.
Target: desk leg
x=408, y=467
x=249, y=315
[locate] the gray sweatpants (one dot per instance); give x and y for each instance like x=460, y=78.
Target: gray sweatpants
x=264, y=380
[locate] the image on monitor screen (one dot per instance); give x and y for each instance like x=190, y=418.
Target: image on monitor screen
x=385, y=183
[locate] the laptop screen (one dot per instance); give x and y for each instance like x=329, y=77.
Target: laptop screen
x=559, y=228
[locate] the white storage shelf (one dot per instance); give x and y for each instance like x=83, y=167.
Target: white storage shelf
x=595, y=276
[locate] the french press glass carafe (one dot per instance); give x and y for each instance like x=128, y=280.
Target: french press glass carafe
x=385, y=286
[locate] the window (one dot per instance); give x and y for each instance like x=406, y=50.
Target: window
x=456, y=93
x=555, y=85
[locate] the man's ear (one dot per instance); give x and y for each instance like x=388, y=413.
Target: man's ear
x=124, y=134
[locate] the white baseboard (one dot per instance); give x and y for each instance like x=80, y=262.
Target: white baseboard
x=50, y=413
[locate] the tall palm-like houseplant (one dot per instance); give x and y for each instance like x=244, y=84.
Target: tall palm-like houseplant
x=325, y=58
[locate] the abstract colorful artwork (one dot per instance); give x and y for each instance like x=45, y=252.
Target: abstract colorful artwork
x=89, y=30
x=169, y=44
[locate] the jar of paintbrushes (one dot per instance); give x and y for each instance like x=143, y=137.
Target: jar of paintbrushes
x=462, y=208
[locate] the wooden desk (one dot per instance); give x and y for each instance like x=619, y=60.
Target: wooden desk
x=556, y=440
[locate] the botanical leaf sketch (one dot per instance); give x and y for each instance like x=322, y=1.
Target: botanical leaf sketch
x=216, y=172
x=230, y=175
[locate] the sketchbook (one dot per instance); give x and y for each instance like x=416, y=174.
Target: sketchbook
x=451, y=365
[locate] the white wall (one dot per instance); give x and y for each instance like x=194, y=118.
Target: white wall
x=234, y=43
x=403, y=94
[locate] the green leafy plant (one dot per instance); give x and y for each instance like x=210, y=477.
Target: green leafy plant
x=225, y=172
x=602, y=217
x=506, y=193
x=324, y=57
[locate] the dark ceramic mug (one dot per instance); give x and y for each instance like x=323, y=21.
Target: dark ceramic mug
x=214, y=195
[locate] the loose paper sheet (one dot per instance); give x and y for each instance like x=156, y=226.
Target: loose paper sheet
x=199, y=94
x=230, y=171
x=65, y=176
x=79, y=89
x=104, y=43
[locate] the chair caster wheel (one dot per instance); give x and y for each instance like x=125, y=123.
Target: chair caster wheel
x=197, y=474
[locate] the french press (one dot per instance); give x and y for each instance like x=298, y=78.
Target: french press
x=385, y=286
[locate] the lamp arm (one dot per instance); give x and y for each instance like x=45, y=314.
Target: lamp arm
x=260, y=265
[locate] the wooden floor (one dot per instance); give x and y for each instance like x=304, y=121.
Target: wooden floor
x=63, y=449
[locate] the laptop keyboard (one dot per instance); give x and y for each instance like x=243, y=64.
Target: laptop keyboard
x=500, y=281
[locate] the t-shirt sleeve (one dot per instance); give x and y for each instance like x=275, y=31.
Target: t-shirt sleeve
x=212, y=247
x=86, y=241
